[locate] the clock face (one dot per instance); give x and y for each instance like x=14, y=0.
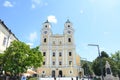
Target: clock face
x=69, y=32
x=45, y=32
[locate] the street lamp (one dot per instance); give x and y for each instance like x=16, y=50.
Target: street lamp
x=99, y=57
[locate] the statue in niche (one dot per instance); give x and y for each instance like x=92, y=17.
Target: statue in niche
x=108, y=71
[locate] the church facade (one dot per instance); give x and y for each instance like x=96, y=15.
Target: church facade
x=60, y=58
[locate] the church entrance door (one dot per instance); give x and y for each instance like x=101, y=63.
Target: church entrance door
x=53, y=73
x=60, y=73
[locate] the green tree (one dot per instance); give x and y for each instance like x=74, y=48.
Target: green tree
x=36, y=57
x=97, y=67
x=104, y=54
x=116, y=58
x=87, y=69
x=18, y=57
x=1, y=63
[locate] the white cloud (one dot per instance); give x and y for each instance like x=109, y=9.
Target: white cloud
x=7, y=4
x=52, y=18
x=33, y=36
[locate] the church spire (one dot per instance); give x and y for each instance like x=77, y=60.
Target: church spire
x=46, y=21
x=68, y=21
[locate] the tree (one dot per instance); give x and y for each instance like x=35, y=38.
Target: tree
x=97, y=67
x=87, y=69
x=1, y=63
x=36, y=57
x=116, y=58
x=18, y=57
x=104, y=54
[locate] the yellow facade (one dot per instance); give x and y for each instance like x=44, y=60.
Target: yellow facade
x=60, y=58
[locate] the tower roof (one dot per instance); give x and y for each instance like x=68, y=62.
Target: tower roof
x=68, y=21
x=4, y=25
x=46, y=21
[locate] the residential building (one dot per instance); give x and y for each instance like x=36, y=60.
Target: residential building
x=6, y=36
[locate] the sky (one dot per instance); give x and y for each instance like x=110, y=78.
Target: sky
x=94, y=22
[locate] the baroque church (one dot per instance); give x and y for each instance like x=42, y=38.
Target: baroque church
x=60, y=57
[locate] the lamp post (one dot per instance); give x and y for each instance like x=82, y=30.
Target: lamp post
x=99, y=57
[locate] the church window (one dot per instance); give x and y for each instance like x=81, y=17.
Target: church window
x=44, y=63
x=69, y=39
x=60, y=63
x=46, y=26
x=44, y=39
x=70, y=53
x=60, y=54
x=44, y=53
x=53, y=62
x=53, y=54
x=70, y=62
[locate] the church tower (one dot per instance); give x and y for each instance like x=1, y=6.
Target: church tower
x=45, y=43
x=69, y=42
x=45, y=33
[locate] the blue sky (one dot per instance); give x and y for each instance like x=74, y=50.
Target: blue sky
x=94, y=21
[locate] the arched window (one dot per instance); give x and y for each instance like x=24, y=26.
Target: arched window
x=53, y=73
x=44, y=39
x=69, y=39
x=44, y=63
x=70, y=53
x=70, y=63
x=53, y=62
x=60, y=54
x=53, y=54
x=46, y=26
x=44, y=53
x=60, y=63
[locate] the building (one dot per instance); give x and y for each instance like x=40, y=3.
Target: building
x=60, y=58
x=6, y=36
